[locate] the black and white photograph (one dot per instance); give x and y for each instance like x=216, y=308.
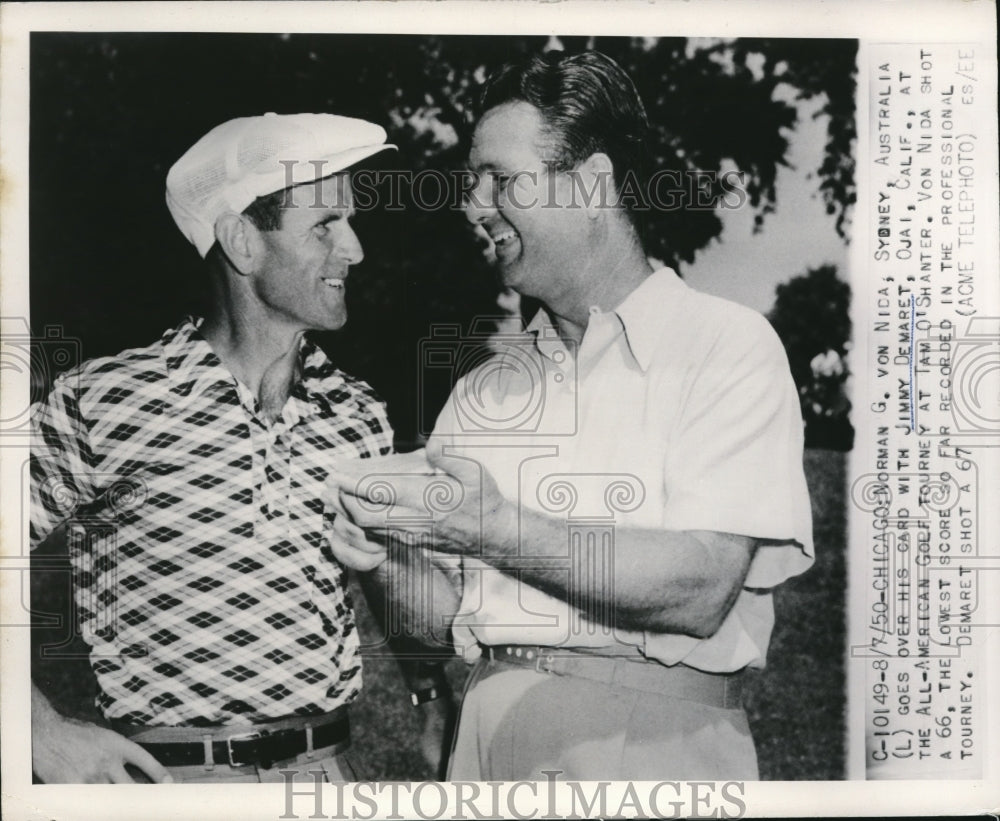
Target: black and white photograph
x=592, y=416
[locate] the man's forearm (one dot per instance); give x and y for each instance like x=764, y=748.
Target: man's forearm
x=657, y=580
x=414, y=601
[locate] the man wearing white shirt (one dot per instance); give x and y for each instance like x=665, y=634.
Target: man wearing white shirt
x=631, y=469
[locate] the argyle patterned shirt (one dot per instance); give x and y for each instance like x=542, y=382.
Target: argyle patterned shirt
x=203, y=577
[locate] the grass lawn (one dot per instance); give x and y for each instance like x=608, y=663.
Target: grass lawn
x=796, y=705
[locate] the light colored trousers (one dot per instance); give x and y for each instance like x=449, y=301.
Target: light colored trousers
x=517, y=723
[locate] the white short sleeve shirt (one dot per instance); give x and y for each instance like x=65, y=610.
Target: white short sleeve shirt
x=678, y=412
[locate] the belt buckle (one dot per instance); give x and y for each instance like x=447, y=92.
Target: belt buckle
x=244, y=737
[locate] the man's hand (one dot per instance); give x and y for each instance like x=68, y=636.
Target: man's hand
x=65, y=751
x=457, y=496
x=483, y=515
x=350, y=544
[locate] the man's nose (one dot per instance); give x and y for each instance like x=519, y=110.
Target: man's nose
x=480, y=201
x=349, y=247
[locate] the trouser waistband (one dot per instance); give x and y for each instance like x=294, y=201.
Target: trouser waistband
x=246, y=745
x=634, y=671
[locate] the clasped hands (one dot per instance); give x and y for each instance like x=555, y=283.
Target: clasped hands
x=416, y=495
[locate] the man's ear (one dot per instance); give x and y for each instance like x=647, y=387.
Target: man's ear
x=597, y=176
x=239, y=240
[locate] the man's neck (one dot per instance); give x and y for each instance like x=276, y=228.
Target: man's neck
x=260, y=354
x=605, y=281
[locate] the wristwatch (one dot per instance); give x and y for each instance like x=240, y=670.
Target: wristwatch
x=439, y=689
x=418, y=697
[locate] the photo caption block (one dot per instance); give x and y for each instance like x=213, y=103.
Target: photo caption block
x=924, y=557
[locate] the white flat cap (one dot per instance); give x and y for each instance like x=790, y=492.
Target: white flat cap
x=250, y=157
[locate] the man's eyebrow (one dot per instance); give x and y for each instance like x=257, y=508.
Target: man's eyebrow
x=330, y=216
x=484, y=167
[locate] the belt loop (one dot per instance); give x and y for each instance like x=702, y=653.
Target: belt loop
x=544, y=660
x=206, y=742
x=309, y=738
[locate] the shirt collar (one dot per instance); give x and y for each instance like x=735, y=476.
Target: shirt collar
x=642, y=312
x=319, y=376
x=192, y=366
x=547, y=339
x=194, y=369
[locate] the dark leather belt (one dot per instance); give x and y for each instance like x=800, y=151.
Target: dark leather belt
x=628, y=669
x=260, y=747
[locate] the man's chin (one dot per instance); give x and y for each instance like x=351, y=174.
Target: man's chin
x=332, y=324
x=509, y=274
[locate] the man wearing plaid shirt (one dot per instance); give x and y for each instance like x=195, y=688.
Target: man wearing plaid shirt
x=190, y=473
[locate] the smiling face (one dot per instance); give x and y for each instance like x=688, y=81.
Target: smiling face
x=300, y=278
x=526, y=208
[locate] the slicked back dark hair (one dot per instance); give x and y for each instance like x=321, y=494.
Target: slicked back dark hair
x=588, y=104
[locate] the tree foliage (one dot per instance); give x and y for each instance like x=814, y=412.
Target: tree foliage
x=828, y=73
x=111, y=112
x=811, y=315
